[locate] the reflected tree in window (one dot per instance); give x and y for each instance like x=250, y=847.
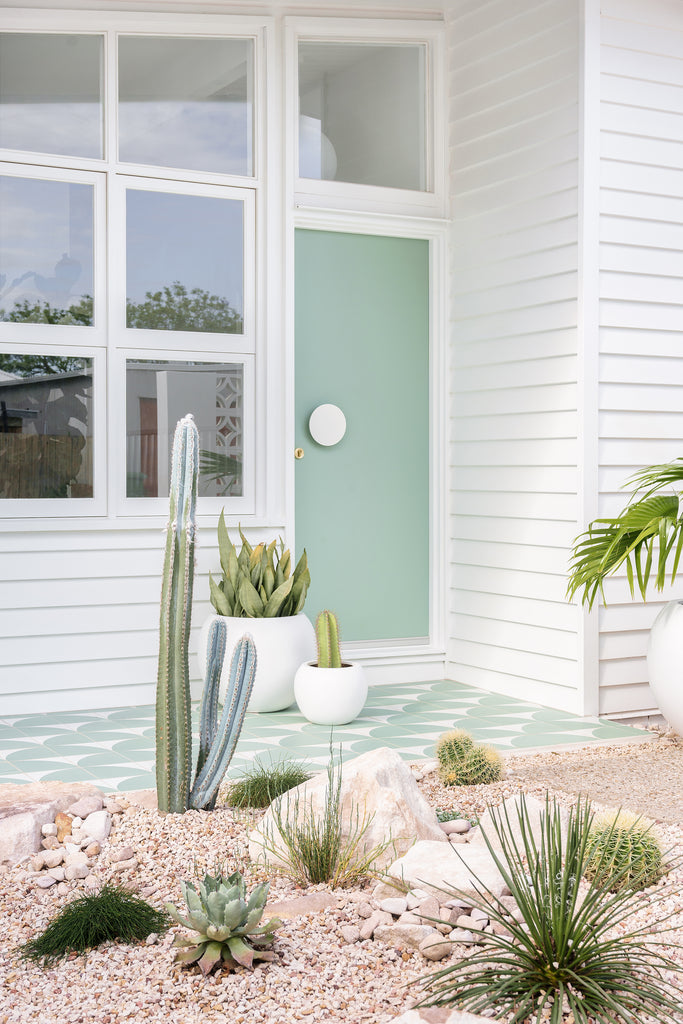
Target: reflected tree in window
x=26, y=312
x=175, y=308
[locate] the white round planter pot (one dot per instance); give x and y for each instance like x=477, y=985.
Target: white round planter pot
x=282, y=643
x=330, y=696
x=665, y=663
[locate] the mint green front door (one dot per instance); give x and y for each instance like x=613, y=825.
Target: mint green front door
x=362, y=505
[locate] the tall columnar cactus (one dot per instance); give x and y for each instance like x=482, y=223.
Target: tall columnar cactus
x=327, y=637
x=173, y=716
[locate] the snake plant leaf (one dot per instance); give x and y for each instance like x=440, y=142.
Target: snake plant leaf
x=225, y=545
x=268, y=582
x=285, y=562
x=246, y=546
x=250, y=600
x=277, y=599
x=240, y=951
x=219, y=600
x=211, y=956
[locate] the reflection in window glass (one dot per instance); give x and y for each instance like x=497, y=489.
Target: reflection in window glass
x=45, y=427
x=362, y=114
x=184, y=262
x=50, y=93
x=46, y=251
x=158, y=394
x=186, y=103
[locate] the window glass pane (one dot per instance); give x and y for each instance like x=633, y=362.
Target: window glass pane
x=158, y=394
x=362, y=114
x=45, y=427
x=186, y=103
x=46, y=251
x=51, y=93
x=184, y=258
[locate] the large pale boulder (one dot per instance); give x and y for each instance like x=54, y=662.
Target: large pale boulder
x=436, y=867
x=377, y=786
x=536, y=812
x=24, y=809
x=439, y=1015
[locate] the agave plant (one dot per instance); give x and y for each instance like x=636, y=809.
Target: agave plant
x=258, y=582
x=651, y=520
x=227, y=923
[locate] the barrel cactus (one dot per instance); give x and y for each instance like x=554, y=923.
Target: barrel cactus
x=327, y=638
x=175, y=790
x=227, y=923
x=462, y=762
x=624, y=852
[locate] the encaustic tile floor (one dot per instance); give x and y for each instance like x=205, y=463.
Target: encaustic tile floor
x=115, y=748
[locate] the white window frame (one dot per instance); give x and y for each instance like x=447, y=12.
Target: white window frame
x=338, y=195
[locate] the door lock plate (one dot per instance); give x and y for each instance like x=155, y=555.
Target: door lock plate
x=298, y=453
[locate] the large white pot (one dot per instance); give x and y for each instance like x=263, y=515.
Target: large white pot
x=282, y=643
x=330, y=696
x=665, y=663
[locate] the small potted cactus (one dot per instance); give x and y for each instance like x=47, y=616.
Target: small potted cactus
x=330, y=691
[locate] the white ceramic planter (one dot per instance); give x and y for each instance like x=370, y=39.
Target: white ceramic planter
x=665, y=663
x=330, y=696
x=282, y=643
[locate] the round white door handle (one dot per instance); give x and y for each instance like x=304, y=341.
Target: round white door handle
x=327, y=424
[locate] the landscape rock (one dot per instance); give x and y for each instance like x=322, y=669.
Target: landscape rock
x=113, y=806
x=456, y=826
x=364, y=910
x=350, y=933
x=63, y=823
x=415, y=897
x=98, y=825
x=76, y=871
x=433, y=949
x=436, y=866
x=394, y=905
x=85, y=806
x=439, y=1015
x=121, y=853
x=368, y=927
x=462, y=935
x=57, y=873
x=45, y=881
x=126, y=865
x=535, y=808
x=405, y=936
x=50, y=842
x=380, y=785
x=24, y=809
x=49, y=829
x=93, y=850
x=310, y=903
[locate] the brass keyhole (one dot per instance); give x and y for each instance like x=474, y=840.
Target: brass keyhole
x=298, y=453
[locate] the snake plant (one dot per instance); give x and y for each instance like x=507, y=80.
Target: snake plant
x=175, y=791
x=258, y=582
x=227, y=923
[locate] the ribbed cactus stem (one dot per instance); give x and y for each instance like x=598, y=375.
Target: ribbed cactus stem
x=173, y=724
x=327, y=637
x=208, y=714
x=240, y=683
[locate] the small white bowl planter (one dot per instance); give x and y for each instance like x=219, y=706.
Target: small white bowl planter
x=282, y=643
x=330, y=696
x=665, y=663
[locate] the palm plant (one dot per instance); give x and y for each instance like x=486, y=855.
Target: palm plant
x=642, y=537
x=568, y=953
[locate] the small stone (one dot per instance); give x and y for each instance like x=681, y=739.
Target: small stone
x=457, y=825
x=62, y=889
x=93, y=849
x=75, y=858
x=113, y=806
x=121, y=853
x=50, y=843
x=49, y=829
x=152, y=939
x=76, y=871
x=479, y=915
x=63, y=823
x=410, y=918
x=394, y=905
x=367, y=929
x=433, y=949
x=69, y=845
x=85, y=806
x=365, y=910
x=45, y=881
x=57, y=873
x=428, y=908
x=466, y=921
x=462, y=935
x=126, y=865
x=91, y=882
x=415, y=897
x=98, y=825
x=498, y=929
x=76, y=823
x=350, y=933
x=52, y=858
x=455, y=837
x=408, y=936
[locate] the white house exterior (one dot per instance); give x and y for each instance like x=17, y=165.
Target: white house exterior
x=548, y=195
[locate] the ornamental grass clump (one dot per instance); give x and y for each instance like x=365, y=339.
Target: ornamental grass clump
x=624, y=851
x=568, y=953
x=110, y=914
x=462, y=762
x=261, y=783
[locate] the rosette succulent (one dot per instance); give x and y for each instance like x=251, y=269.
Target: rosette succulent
x=227, y=923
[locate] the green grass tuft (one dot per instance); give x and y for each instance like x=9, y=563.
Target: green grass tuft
x=262, y=783
x=112, y=913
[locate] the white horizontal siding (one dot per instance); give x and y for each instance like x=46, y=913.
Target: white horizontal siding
x=513, y=409
x=641, y=297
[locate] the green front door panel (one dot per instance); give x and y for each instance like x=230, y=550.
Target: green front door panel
x=362, y=506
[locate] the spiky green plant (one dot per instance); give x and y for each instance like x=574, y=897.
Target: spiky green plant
x=327, y=639
x=257, y=582
x=111, y=914
x=175, y=790
x=462, y=762
x=650, y=523
x=227, y=923
x=570, y=947
x=624, y=851
x=261, y=783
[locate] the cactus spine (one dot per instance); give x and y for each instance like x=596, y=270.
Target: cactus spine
x=173, y=710
x=327, y=637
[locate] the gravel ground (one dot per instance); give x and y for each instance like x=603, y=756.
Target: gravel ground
x=317, y=976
